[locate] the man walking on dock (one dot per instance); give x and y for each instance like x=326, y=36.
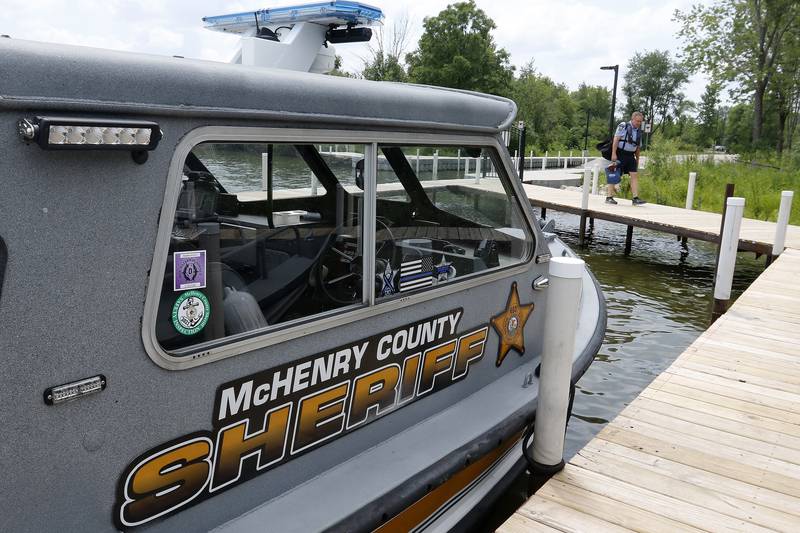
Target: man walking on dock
x=625, y=152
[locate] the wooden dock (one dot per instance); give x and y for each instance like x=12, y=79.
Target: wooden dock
x=755, y=236
x=712, y=444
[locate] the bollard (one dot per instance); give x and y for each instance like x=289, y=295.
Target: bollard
x=558, y=345
x=478, y=169
x=584, y=206
x=728, y=247
x=595, y=179
x=690, y=190
x=264, y=173
x=783, y=221
x=435, y=164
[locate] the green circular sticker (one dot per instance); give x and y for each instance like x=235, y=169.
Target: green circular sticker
x=190, y=312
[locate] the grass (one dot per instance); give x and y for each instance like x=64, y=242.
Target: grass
x=665, y=181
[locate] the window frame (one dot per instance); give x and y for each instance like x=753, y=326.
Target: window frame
x=263, y=338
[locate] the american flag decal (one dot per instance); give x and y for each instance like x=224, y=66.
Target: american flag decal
x=416, y=273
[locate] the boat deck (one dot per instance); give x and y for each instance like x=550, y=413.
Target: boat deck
x=712, y=444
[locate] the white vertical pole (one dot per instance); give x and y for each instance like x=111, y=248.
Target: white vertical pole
x=728, y=248
x=264, y=165
x=531, y=159
x=783, y=221
x=416, y=169
x=558, y=345
x=566, y=161
x=466, y=167
x=458, y=163
x=558, y=159
x=478, y=169
x=595, y=176
x=585, y=189
x=435, y=164
x=690, y=190
x=544, y=161
x=313, y=185
x=570, y=154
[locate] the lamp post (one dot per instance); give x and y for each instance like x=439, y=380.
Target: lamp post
x=615, y=68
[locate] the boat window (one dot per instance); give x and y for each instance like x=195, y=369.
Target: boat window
x=463, y=218
x=263, y=235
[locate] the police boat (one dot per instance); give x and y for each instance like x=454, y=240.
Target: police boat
x=241, y=298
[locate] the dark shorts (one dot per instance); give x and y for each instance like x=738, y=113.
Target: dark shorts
x=628, y=162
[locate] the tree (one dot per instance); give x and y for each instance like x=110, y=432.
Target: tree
x=337, y=69
x=385, y=63
x=652, y=85
x=547, y=109
x=709, y=115
x=739, y=41
x=457, y=50
x=593, y=101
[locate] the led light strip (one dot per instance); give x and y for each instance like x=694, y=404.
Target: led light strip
x=54, y=133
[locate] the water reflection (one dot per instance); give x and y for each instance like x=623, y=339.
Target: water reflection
x=658, y=301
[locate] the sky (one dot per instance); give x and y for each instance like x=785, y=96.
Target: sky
x=567, y=40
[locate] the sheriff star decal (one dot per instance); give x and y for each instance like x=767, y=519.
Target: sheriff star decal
x=510, y=325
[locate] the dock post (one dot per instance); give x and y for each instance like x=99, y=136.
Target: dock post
x=566, y=162
x=595, y=179
x=264, y=173
x=584, y=206
x=478, y=169
x=690, y=190
x=435, y=171
x=416, y=167
x=783, y=222
x=558, y=345
x=628, y=240
x=544, y=161
x=728, y=247
x=543, y=213
x=558, y=159
x=458, y=163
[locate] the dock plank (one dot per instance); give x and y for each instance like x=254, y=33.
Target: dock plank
x=713, y=443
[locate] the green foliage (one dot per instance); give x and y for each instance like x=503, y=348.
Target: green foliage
x=652, y=86
x=740, y=42
x=664, y=181
x=385, y=67
x=458, y=50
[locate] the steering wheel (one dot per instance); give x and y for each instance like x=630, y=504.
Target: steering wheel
x=339, y=272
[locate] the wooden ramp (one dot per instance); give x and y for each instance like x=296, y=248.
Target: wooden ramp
x=712, y=444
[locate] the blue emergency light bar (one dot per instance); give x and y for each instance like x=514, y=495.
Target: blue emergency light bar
x=336, y=12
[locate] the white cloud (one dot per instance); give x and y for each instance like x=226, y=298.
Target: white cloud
x=568, y=40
